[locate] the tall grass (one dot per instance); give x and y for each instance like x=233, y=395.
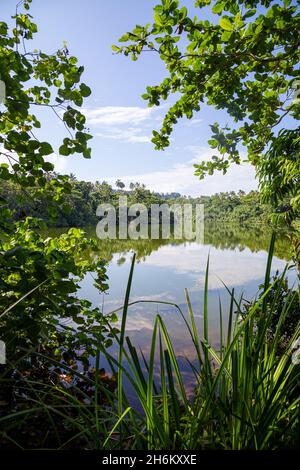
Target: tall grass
x=246, y=393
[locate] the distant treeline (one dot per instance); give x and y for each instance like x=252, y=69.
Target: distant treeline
x=84, y=197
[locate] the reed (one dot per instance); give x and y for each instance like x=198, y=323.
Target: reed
x=245, y=393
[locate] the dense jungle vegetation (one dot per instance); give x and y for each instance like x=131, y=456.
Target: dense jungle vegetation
x=79, y=209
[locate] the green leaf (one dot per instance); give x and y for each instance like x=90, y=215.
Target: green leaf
x=183, y=13
x=218, y=7
x=226, y=24
x=249, y=13
x=237, y=19
x=213, y=143
x=87, y=152
x=157, y=19
x=47, y=166
x=226, y=36
x=85, y=90
x=63, y=150
x=46, y=148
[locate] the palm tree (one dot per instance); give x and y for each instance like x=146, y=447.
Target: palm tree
x=120, y=184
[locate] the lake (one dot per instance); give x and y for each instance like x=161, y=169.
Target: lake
x=164, y=268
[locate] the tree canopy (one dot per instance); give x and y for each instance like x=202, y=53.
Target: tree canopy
x=244, y=59
x=39, y=277
x=35, y=79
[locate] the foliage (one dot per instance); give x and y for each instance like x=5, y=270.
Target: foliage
x=243, y=58
x=36, y=79
x=279, y=173
x=275, y=300
x=49, y=403
x=49, y=269
x=246, y=394
x=85, y=197
x=50, y=395
x=39, y=308
x=238, y=207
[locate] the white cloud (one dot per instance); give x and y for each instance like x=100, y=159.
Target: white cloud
x=116, y=115
x=60, y=162
x=132, y=135
x=193, y=122
x=191, y=259
x=123, y=123
x=180, y=177
x=200, y=153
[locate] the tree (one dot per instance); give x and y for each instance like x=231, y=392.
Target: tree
x=279, y=174
x=72, y=177
x=120, y=184
x=243, y=60
x=39, y=275
x=105, y=192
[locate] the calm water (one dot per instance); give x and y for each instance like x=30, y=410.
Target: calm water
x=164, y=268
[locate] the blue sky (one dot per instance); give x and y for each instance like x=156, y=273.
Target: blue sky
x=117, y=115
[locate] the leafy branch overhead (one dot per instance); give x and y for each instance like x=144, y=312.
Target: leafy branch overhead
x=39, y=277
x=244, y=59
x=34, y=79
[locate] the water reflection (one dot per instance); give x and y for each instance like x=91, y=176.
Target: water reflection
x=165, y=267
x=221, y=236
